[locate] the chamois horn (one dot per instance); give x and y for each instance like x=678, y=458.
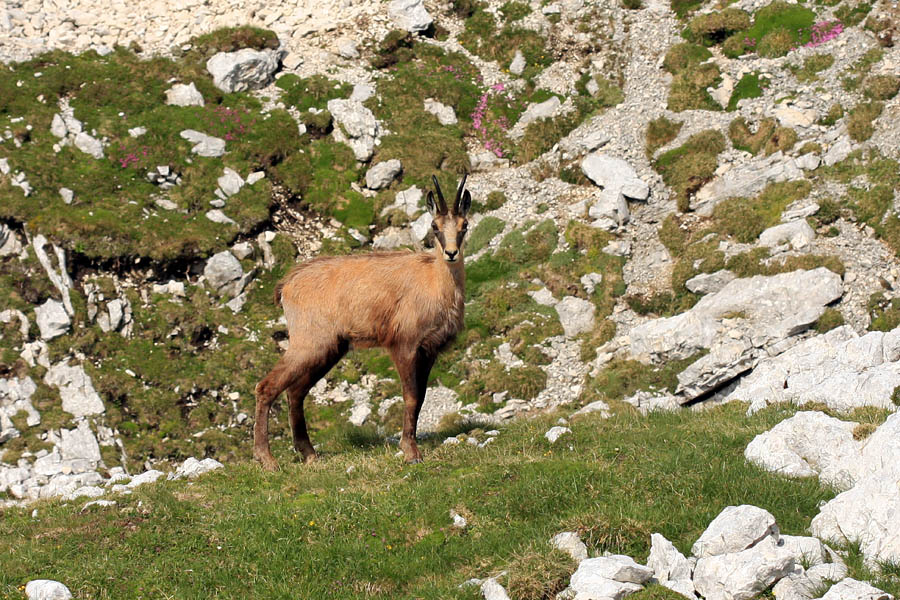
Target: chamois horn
x=459, y=192
x=442, y=204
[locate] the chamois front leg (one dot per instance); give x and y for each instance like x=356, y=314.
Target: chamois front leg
x=413, y=368
x=302, y=444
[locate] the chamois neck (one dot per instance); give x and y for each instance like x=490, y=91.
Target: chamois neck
x=456, y=269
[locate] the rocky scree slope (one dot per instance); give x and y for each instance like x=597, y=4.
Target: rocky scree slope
x=679, y=197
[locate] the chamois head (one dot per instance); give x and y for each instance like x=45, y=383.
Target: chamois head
x=449, y=226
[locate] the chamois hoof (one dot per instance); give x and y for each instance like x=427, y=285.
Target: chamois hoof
x=310, y=458
x=415, y=461
x=268, y=463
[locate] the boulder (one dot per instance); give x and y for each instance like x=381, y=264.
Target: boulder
x=610, y=211
x=52, y=319
x=536, y=111
x=518, y=64
x=576, y=315
x=445, y=114
x=217, y=216
x=491, y=590
x=145, y=477
x=184, y=95
x=709, y=283
x=614, y=173
x=79, y=398
x=747, y=179
x=807, y=444
x=206, y=145
x=608, y=577
x=851, y=589
x=356, y=126
x=46, y=589
x=79, y=444
x=744, y=319
x=616, y=567
x=823, y=368
x=222, y=269
x=795, y=117
x=554, y=433
x=409, y=15
x=865, y=513
x=571, y=544
x=89, y=144
x=796, y=233
x=838, y=152
x=742, y=575
x=347, y=48
x=806, y=584
x=192, y=467
x=381, y=175
x=230, y=182
x=245, y=69
x=670, y=567
x=735, y=529
x=421, y=226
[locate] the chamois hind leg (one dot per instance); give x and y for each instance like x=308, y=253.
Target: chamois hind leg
x=278, y=379
x=313, y=372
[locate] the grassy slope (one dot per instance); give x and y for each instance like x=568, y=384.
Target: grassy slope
x=383, y=531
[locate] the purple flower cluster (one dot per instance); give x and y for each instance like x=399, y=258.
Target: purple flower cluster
x=130, y=157
x=825, y=31
x=228, y=123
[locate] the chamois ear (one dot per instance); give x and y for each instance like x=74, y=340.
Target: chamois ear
x=429, y=204
x=465, y=204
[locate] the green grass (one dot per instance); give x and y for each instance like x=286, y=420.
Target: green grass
x=751, y=85
x=860, y=120
x=768, y=136
x=483, y=233
x=744, y=219
x=483, y=38
x=712, y=28
x=812, y=65
x=777, y=28
x=686, y=168
x=660, y=131
x=383, y=529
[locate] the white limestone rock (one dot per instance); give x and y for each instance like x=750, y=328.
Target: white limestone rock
x=570, y=543
x=555, y=432
x=52, y=319
x=205, y=145
x=518, y=64
x=492, y=590
x=736, y=528
x=381, y=175
x=245, y=69
x=617, y=567
x=709, y=283
x=184, y=95
x=807, y=444
x=230, y=182
x=192, y=468
x=445, y=114
x=670, y=567
x=221, y=270
x=822, y=369
x=851, y=589
x=145, y=477
x=79, y=398
x=356, y=126
x=796, y=233
x=614, y=174
x=46, y=589
x=89, y=144
x=409, y=15
x=742, y=575
x=575, y=315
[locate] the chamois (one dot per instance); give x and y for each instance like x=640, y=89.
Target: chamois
x=410, y=303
